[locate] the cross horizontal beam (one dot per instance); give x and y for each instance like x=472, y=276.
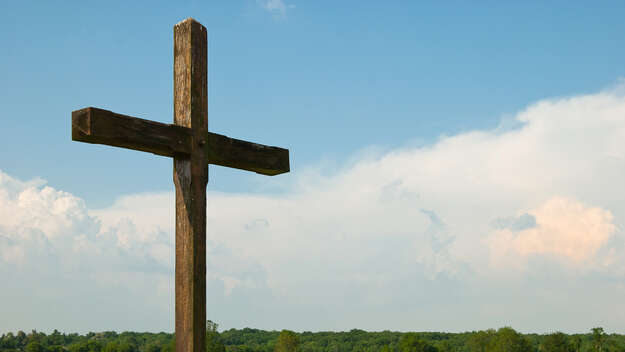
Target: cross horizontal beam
x=98, y=126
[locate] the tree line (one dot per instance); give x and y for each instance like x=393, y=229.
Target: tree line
x=504, y=339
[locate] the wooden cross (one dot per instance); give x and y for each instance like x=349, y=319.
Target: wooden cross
x=193, y=148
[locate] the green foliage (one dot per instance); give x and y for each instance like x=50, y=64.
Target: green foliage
x=508, y=340
x=34, y=346
x=214, y=342
x=410, y=342
x=288, y=341
x=598, y=338
x=254, y=340
x=557, y=342
x=481, y=341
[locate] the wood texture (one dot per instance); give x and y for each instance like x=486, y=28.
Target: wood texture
x=238, y=154
x=190, y=178
x=92, y=125
x=98, y=126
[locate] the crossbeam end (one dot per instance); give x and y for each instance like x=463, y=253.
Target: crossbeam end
x=99, y=126
x=244, y=155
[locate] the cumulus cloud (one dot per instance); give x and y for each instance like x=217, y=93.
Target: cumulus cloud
x=440, y=237
x=55, y=257
x=562, y=227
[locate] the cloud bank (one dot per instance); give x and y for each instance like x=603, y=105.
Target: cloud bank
x=520, y=227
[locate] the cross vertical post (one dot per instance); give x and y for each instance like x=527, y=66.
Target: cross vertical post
x=190, y=179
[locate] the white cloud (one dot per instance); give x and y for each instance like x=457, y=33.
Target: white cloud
x=564, y=228
x=275, y=7
x=442, y=237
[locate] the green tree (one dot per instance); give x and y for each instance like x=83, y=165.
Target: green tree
x=508, y=340
x=171, y=346
x=598, y=338
x=214, y=342
x=577, y=343
x=8, y=342
x=56, y=338
x=557, y=342
x=288, y=341
x=111, y=346
x=410, y=342
x=21, y=339
x=34, y=346
x=443, y=346
x=480, y=341
x=211, y=326
x=79, y=347
x=152, y=347
x=94, y=346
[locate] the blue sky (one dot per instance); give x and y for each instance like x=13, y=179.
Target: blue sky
x=323, y=79
x=394, y=114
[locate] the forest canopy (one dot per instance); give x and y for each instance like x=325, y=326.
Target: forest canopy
x=504, y=339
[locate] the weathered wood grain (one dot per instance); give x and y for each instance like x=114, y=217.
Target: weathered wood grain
x=190, y=178
x=238, y=154
x=98, y=126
